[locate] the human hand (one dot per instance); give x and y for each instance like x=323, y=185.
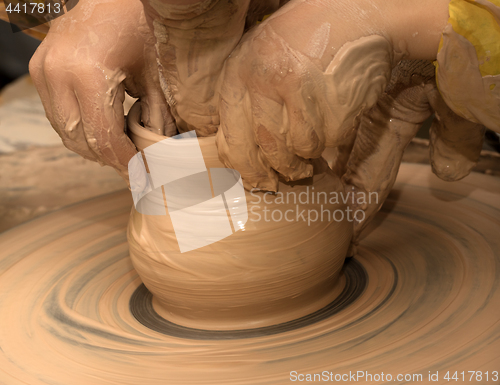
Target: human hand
x=193, y=39
x=288, y=93
x=371, y=163
x=81, y=70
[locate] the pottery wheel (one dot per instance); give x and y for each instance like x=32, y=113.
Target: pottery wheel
x=423, y=294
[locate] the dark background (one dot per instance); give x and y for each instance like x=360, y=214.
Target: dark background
x=16, y=50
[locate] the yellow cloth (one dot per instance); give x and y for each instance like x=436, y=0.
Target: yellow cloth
x=468, y=82
x=477, y=22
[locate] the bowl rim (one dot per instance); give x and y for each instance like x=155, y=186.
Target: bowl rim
x=133, y=125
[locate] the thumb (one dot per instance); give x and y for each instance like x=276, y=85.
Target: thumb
x=455, y=143
x=155, y=112
x=103, y=119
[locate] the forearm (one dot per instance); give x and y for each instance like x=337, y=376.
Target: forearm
x=413, y=28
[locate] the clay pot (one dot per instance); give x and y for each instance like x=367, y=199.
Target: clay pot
x=270, y=271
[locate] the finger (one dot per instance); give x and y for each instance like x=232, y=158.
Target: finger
x=305, y=125
x=267, y=70
x=155, y=112
x=60, y=104
x=235, y=139
x=66, y=119
x=455, y=143
x=143, y=82
x=337, y=157
x=102, y=117
x=238, y=149
x=270, y=129
x=38, y=77
x=383, y=134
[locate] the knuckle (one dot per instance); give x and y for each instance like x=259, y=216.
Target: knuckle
x=70, y=144
x=52, y=64
x=77, y=147
x=35, y=65
x=268, y=62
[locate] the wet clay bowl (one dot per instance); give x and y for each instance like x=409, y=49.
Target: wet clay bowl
x=274, y=269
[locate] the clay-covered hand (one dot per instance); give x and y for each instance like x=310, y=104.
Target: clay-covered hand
x=370, y=162
x=467, y=74
x=322, y=75
x=81, y=70
x=193, y=39
x=298, y=83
